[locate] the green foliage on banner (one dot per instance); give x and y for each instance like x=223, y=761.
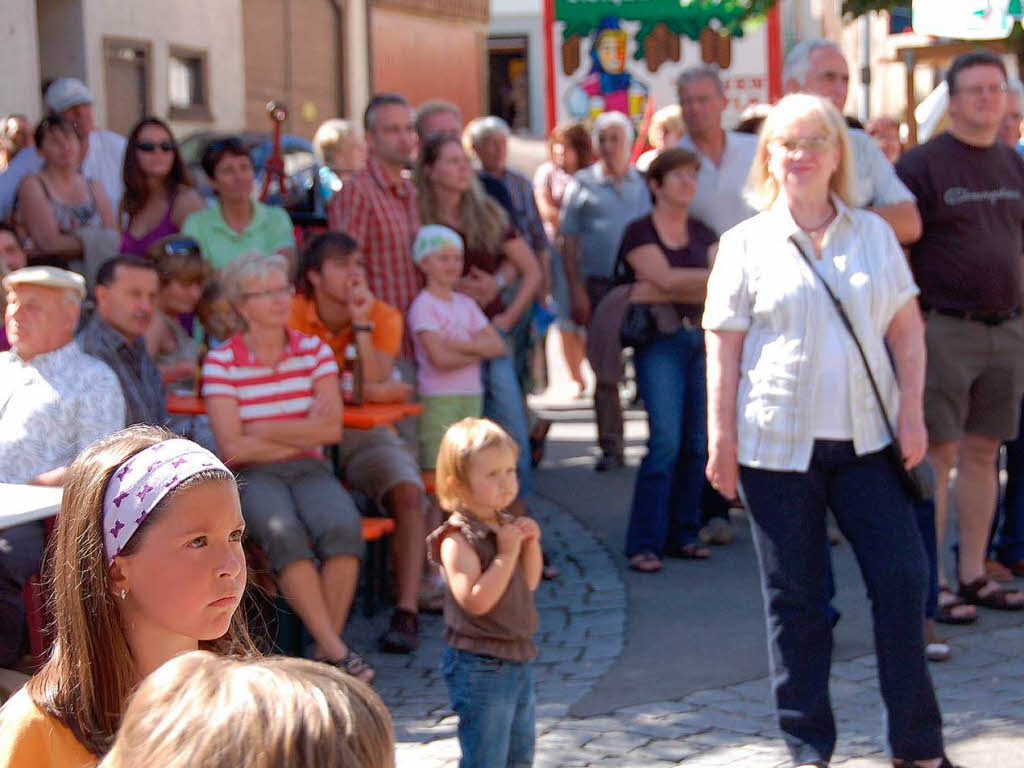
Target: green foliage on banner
x=853, y=9
x=687, y=18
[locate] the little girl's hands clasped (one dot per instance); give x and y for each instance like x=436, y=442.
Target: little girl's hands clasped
x=510, y=539
x=529, y=527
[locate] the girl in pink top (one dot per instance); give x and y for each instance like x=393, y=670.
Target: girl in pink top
x=451, y=335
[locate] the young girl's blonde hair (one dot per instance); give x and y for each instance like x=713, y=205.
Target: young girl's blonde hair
x=463, y=440
x=204, y=710
x=90, y=671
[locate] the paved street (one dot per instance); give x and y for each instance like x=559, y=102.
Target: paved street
x=657, y=670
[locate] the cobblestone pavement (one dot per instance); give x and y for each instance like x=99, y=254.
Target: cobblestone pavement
x=981, y=690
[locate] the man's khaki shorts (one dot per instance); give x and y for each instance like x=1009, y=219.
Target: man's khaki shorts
x=376, y=460
x=974, y=379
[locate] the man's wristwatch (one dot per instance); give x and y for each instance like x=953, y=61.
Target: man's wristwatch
x=362, y=327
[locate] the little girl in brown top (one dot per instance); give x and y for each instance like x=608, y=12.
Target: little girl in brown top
x=492, y=565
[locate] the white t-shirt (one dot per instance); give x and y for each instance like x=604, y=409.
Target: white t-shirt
x=831, y=418
x=718, y=201
x=103, y=162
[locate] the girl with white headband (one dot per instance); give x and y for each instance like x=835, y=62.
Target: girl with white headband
x=146, y=563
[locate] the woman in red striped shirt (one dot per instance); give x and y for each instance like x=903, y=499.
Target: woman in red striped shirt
x=273, y=400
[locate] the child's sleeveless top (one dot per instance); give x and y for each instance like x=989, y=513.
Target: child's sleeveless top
x=506, y=630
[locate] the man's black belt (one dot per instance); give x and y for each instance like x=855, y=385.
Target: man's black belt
x=986, y=318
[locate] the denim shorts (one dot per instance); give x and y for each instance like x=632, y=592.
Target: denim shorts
x=495, y=703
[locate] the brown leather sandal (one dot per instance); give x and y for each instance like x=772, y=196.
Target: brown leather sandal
x=997, y=598
x=945, y=611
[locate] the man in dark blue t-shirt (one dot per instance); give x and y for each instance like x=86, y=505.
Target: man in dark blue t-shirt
x=967, y=263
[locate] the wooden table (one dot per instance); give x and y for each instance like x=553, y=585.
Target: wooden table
x=366, y=416
x=20, y=504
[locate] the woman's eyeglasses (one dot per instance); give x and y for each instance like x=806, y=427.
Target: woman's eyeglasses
x=153, y=146
x=810, y=144
x=284, y=292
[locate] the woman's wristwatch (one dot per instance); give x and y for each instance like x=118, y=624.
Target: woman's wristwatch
x=362, y=327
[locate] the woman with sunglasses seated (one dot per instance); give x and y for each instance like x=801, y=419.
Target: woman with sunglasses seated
x=158, y=193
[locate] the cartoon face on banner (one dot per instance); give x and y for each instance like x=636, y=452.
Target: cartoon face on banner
x=610, y=51
x=607, y=87
x=609, y=70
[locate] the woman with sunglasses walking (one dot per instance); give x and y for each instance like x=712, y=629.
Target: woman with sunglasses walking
x=158, y=193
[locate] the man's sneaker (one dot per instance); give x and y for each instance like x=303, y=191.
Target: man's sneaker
x=403, y=635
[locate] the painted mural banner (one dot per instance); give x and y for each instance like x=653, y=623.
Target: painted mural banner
x=620, y=54
x=965, y=19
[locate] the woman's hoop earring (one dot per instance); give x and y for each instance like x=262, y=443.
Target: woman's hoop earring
x=124, y=593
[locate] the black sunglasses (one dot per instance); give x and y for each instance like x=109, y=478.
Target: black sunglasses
x=152, y=146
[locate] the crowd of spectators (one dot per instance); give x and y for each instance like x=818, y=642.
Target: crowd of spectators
x=712, y=257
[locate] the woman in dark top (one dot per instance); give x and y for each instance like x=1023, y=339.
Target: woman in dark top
x=450, y=194
x=667, y=256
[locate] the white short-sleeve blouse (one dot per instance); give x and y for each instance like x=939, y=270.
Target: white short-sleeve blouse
x=761, y=285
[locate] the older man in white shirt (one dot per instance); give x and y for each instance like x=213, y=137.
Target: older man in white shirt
x=817, y=66
x=102, y=151
x=725, y=156
x=54, y=400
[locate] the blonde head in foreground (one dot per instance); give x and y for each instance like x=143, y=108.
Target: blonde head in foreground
x=204, y=710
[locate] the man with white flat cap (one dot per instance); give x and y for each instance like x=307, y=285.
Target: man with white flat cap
x=102, y=151
x=54, y=400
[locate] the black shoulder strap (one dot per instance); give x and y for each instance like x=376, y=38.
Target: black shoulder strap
x=849, y=327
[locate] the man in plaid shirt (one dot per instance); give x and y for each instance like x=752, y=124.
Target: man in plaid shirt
x=377, y=206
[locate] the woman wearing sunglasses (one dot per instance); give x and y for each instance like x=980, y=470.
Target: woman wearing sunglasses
x=158, y=194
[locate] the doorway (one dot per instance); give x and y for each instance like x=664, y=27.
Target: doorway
x=127, y=81
x=507, y=59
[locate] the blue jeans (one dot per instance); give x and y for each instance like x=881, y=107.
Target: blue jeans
x=1010, y=541
x=788, y=522
x=503, y=404
x=666, y=501
x=495, y=703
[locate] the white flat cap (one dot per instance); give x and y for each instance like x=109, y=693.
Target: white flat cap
x=67, y=92
x=51, y=277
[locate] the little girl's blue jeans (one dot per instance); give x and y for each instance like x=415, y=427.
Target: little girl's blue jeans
x=495, y=703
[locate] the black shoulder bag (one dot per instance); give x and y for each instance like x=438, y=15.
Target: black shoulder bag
x=919, y=481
